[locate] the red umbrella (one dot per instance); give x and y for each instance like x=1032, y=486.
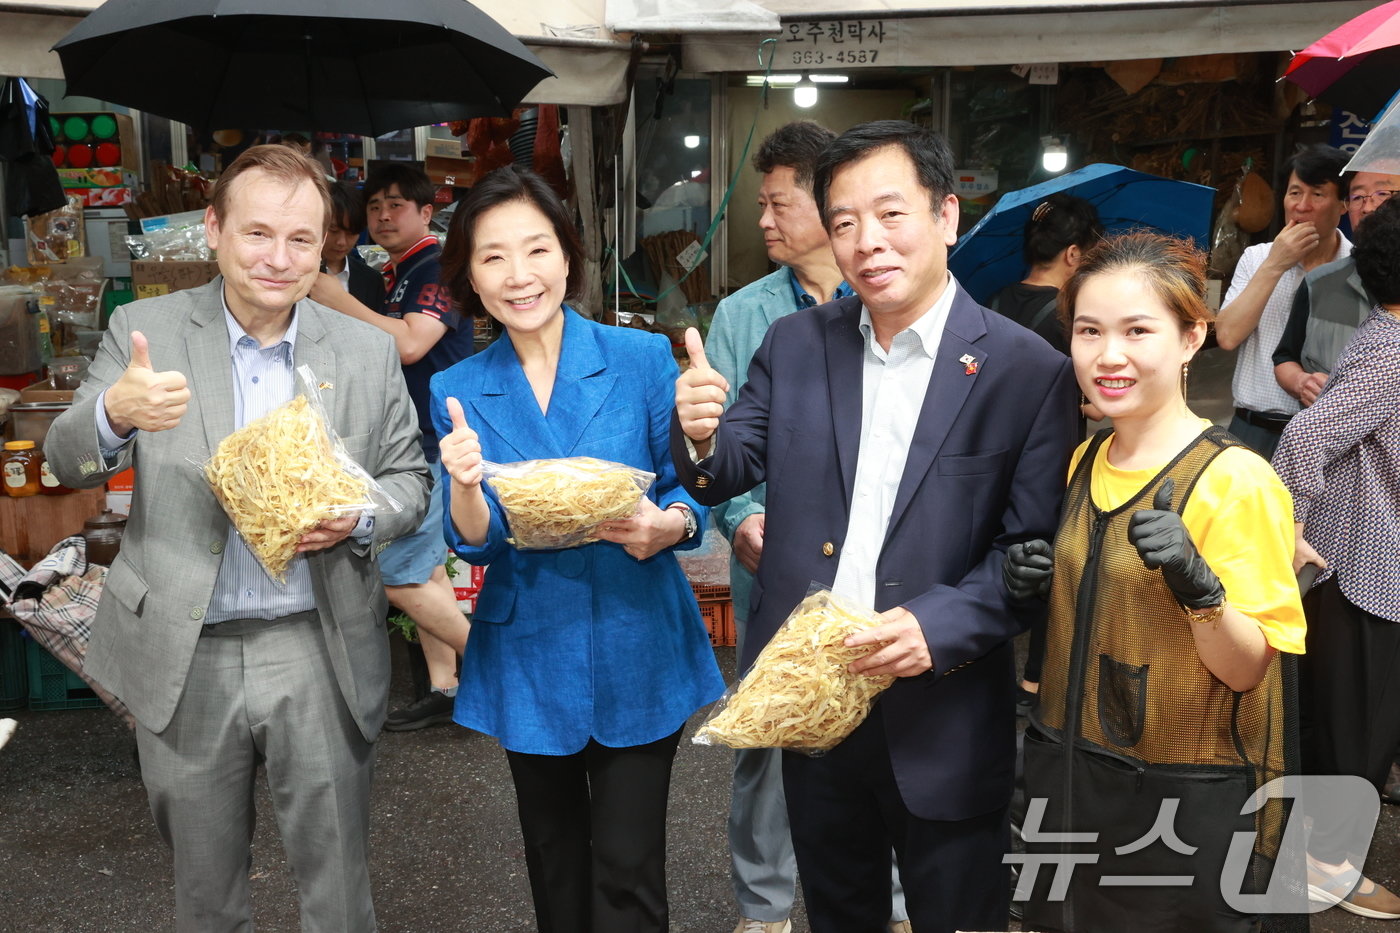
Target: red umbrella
x=1355, y=66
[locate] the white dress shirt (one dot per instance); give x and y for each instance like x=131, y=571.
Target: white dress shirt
x=893, y=386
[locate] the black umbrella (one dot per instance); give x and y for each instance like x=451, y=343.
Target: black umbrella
x=349, y=66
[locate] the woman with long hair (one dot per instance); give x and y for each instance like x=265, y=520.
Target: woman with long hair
x=584, y=662
x=1171, y=594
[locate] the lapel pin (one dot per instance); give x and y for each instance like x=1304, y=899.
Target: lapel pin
x=970, y=364
x=325, y=385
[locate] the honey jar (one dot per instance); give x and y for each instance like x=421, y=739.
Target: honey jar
x=20, y=467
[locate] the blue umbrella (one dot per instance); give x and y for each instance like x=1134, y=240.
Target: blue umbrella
x=988, y=256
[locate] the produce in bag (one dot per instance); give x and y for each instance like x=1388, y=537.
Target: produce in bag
x=280, y=475
x=799, y=694
x=561, y=503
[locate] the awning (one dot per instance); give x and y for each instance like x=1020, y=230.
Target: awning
x=843, y=34
x=590, y=61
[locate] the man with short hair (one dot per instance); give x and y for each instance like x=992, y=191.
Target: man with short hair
x=338, y=255
x=908, y=437
x=1261, y=292
x=763, y=869
x=1331, y=303
x=223, y=667
x=431, y=335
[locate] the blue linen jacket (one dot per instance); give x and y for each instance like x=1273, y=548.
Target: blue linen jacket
x=584, y=642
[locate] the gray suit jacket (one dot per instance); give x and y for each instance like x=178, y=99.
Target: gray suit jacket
x=157, y=591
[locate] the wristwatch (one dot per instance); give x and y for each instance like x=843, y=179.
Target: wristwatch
x=691, y=525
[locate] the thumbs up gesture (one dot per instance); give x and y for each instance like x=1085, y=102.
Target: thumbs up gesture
x=1162, y=540
x=461, y=450
x=700, y=393
x=143, y=398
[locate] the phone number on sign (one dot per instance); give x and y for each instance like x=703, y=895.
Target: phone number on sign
x=844, y=57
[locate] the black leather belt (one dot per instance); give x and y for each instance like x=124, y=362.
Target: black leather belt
x=1272, y=423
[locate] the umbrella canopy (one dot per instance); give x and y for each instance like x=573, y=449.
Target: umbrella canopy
x=349, y=66
x=1355, y=66
x=1380, y=151
x=988, y=256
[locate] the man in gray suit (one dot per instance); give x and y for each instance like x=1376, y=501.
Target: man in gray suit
x=222, y=667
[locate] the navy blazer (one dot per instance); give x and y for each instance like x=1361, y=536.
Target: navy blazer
x=583, y=642
x=986, y=469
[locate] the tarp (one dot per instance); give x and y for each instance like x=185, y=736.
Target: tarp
x=569, y=36
x=937, y=33
x=690, y=16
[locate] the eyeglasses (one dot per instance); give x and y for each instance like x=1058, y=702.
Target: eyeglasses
x=1360, y=200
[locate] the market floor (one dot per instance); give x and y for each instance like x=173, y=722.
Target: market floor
x=79, y=853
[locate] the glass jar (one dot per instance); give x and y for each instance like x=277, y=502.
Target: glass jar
x=20, y=466
x=48, y=483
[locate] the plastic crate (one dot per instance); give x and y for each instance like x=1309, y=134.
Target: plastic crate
x=717, y=609
x=53, y=686
x=14, y=672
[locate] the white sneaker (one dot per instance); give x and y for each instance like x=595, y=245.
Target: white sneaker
x=7, y=729
x=758, y=926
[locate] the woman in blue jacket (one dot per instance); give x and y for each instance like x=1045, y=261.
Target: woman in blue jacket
x=583, y=662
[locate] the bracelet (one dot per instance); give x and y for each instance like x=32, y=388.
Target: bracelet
x=1211, y=615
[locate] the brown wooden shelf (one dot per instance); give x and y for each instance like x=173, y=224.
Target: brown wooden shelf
x=33, y=524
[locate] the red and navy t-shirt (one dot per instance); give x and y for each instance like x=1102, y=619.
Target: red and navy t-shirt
x=412, y=288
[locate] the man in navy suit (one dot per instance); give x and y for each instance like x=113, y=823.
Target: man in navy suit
x=908, y=437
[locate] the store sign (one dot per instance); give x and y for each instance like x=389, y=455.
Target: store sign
x=1348, y=131
x=837, y=43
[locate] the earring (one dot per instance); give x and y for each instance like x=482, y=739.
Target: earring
x=1185, y=376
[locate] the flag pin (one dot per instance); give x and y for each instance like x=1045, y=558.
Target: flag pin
x=969, y=363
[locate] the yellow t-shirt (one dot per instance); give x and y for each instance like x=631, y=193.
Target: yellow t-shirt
x=1240, y=516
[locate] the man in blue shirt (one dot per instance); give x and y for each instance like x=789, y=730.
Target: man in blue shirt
x=431, y=334
x=763, y=867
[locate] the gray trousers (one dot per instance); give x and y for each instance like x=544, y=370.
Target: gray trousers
x=262, y=691
x=762, y=864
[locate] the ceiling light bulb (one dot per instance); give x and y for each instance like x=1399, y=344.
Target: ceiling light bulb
x=1054, y=157
x=692, y=142
x=804, y=92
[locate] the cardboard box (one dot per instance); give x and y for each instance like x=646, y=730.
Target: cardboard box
x=45, y=392
x=124, y=481
x=101, y=197
x=76, y=178
x=449, y=148
x=150, y=278
x=459, y=173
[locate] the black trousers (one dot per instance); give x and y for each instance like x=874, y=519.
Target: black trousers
x=846, y=812
x=594, y=825
x=1349, y=699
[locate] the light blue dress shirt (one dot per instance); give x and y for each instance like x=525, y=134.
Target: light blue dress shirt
x=263, y=378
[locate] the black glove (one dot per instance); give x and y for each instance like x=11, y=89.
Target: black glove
x=1162, y=540
x=1028, y=569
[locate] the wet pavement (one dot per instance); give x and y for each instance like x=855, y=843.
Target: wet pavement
x=79, y=853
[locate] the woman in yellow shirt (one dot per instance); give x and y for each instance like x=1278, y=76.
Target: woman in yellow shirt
x=1171, y=595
